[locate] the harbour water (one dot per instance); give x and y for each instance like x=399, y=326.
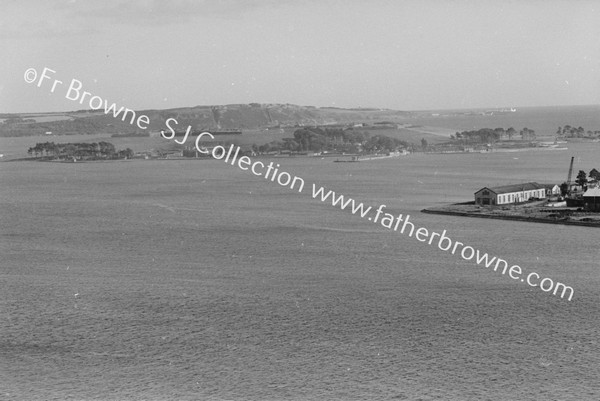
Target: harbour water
x=195, y=280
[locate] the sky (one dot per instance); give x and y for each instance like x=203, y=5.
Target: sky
x=403, y=55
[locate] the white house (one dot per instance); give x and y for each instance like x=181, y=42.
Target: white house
x=508, y=194
x=552, y=189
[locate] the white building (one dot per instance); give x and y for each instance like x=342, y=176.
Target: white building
x=508, y=194
x=552, y=189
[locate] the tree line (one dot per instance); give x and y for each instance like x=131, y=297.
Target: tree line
x=491, y=135
x=316, y=139
x=100, y=150
x=572, y=132
x=582, y=180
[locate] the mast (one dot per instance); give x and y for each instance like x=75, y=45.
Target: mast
x=570, y=173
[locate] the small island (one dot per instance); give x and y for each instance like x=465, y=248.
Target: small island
x=50, y=151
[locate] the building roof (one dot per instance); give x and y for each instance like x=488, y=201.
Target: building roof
x=592, y=192
x=549, y=186
x=505, y=189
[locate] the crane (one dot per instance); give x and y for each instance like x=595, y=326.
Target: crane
x=570, y=175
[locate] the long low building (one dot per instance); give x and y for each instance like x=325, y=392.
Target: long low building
x=507, y=194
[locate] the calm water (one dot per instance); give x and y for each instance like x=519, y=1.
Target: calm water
x=196, y=280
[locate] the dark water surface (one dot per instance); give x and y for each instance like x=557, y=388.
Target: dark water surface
x=196, y=280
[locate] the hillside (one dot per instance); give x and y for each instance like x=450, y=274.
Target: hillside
x=234, y=116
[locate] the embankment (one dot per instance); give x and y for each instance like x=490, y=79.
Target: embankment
x=532, y=219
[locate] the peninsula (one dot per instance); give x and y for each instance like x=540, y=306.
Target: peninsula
x=570, y=204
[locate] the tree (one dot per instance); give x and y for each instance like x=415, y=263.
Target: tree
x=39, y=148
x=510, y=132
x=581, y=178
x=70, y=150
x=527, y=134
x=595, y=174
x=51, y=147
x=304, y=138
x=107, y=149
x=424, y=144
x=95, y=148
x=128, y=153
x=564, y=188
x=355, y=137
x=290, y=144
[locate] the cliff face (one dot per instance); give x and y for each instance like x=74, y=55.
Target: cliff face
x=233, y=116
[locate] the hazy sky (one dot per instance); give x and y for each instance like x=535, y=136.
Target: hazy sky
x=407, y=55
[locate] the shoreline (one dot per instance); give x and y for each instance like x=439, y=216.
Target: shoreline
x=499, y=150
x=330, y=156
x=520, y=217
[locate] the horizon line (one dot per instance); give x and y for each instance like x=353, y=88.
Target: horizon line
x=317, y=107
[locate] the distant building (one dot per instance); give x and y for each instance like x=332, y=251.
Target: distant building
x=552, y=189
x=591, y=199
x=508, y=194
